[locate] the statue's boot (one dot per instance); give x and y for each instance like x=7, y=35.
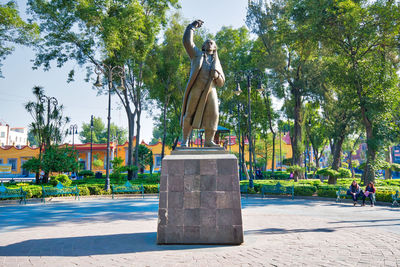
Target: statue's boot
x=186, y=130
x=209, y=137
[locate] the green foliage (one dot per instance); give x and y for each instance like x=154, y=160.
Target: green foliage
x=344, y=173
x=99, y=132
x=57, y=159
x=145, y=157
x=98, y=163
x=83, y=191
x=13, y=30
x=328, y=172
x=304, y=190
x=62, y=178
x=395, y=167
x=86, y=173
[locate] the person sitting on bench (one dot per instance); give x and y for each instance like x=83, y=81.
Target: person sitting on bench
x=354, y=191
x=369, y=192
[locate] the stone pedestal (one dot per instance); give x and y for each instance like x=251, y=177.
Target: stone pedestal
x=199, y=199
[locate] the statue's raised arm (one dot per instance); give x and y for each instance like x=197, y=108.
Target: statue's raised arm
x=188, y=37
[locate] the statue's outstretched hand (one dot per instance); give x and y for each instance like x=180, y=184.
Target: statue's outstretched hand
x=197, y=23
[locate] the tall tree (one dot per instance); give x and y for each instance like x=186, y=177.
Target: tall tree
x=289, y=55
x=48, y=124
x=117, y=33
x=14, y=30
x=362, y=37
x=99, y=132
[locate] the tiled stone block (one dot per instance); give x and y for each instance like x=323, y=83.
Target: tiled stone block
x=173, y=234
x=208, y=183
x=224, y=200
x=208, y=217
x=191, y=217
x=191, y=183
x=225, y=167
x=225, y=182
x=192, y=166
x=199, y=200
x=208, y=167
x=208, y=200
x=175, y=217
x=175, y=183
x=191, y=234
x=175, y=200
x=163, y=183
x=191, y=200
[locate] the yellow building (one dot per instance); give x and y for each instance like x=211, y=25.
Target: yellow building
x=17, y=156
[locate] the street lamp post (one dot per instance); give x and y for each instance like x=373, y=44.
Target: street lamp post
x=73, y=129
x=109, y=71
x=50, y=101
x=91, y=141
x=249, y=75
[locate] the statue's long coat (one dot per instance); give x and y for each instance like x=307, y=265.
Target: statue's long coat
x=196, y=61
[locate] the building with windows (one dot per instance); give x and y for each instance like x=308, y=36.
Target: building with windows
x=16, y=136
x=17, y=155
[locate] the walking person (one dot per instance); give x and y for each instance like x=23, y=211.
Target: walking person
x=369, y=192
x=354, y=191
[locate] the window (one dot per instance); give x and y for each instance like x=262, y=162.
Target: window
x=157, y=159
x=13, y=163
x=1, y=161
x=2, y=134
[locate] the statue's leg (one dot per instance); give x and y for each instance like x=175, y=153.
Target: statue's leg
x=210, y=119
x=189, y=113
x=186, y=130
x=209, y=138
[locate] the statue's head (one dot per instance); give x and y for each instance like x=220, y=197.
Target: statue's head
x=209, y=46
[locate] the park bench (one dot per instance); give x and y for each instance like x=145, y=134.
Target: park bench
x=12, y=193
x=396, y=198
x=277, y=189
x=59, y=189
x=127, y=188
x=342, y=192
x=244, y=188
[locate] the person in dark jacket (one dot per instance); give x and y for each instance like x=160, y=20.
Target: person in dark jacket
x=354, y=191
x=369, y=192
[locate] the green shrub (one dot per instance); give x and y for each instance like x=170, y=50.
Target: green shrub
x=384, y=196
x=153, y=189
x=344, y=173
x=327, y=191
x=328, y=172
x=83, y=191
x=95, y=190
x=62, y=178
x=304, y=190
x=296, y=170
x=86, y=173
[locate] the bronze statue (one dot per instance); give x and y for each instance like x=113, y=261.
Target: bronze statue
x=200, y=101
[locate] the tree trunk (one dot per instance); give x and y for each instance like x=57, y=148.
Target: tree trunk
x=337, y=149
x=273, y=152
x=131, y=130
x=135, y=174
x=351, y=164
x=296, y=138
x=388, y=157
x=164, y=124
x=332, y=180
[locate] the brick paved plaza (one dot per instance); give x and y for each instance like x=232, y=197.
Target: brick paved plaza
x=122, y=232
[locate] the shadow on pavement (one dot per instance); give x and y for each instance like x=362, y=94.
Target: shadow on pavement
x=26, y=216
x=93, y=245
x=286, y=231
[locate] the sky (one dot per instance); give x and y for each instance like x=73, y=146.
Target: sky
x=79, y=98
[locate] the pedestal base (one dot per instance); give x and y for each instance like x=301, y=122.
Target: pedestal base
x=199, y=200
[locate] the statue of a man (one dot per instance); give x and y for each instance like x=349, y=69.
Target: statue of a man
x=200, y=101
